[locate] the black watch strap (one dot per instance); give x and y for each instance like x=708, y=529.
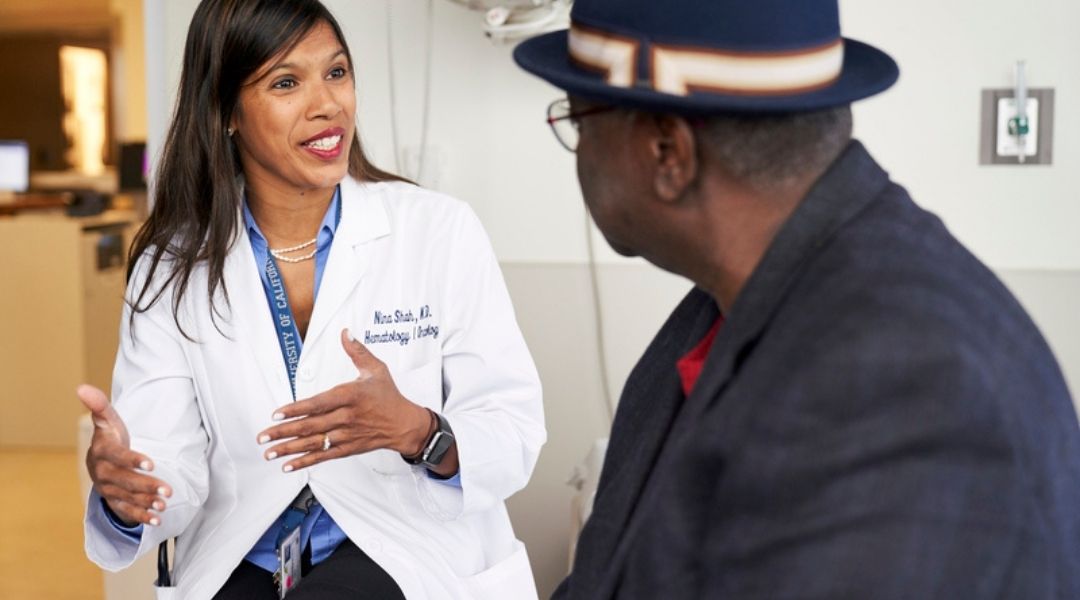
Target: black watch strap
x=436, y=446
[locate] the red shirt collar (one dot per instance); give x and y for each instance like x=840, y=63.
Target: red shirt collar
x=691, y=364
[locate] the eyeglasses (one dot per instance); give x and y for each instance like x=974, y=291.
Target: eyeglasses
x=564, y=123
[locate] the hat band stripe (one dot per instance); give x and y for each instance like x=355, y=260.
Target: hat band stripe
x=614, y=56
x=678, y=70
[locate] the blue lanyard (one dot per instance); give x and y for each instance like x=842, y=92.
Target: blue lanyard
x=296, y=513
x=291, y=345
x=284, y=323
x=289, y=338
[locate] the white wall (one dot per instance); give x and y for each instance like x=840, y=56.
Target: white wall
x=925, y=130
x=487, y=126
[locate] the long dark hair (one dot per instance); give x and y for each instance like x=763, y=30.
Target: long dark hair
x=195, y=215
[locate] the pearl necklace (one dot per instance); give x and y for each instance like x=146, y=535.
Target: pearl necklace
x=279, y=253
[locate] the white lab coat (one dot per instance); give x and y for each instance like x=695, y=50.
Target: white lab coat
x=195, y=407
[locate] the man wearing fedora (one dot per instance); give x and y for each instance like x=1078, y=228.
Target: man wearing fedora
x=848, y=404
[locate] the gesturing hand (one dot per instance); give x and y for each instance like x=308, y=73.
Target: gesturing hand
x=116, y=470
x=364, y=414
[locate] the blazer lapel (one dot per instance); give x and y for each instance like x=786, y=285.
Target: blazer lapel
x=650, y=402
x=363, y=218
x=845, y=190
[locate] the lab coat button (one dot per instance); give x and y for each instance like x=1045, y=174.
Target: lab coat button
x=306, y=373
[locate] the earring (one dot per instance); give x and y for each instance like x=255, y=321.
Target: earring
x=230, y=131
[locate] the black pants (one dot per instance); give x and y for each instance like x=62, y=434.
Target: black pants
x=346, y=573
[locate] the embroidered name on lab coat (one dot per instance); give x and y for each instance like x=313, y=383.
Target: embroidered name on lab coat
x=402, y=326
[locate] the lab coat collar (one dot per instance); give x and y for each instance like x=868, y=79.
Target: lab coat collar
x=363, y=220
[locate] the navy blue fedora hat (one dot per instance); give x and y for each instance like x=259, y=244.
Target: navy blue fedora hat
x=706, y=56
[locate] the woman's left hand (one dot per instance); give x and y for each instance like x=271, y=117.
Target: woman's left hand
x=365, y=414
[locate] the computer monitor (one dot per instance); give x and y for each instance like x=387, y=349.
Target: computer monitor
x=14, y=166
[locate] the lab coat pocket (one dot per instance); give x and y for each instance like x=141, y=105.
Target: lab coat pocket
x=165, y=593
x=422, y=385
x=511, y=577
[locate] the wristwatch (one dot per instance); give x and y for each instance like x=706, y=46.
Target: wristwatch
x=437, y=445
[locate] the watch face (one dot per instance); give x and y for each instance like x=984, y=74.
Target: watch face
x=439, y=445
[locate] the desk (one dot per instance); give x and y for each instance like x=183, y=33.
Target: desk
x=63, y=284
x=27, y=202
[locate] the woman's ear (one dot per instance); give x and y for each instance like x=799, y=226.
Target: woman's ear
x=673, y=155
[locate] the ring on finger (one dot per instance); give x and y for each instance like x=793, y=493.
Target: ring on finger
x=326, y=442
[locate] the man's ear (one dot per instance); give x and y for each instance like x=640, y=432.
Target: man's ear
x=673, y=153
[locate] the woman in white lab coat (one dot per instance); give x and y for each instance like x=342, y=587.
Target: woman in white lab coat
x=316, y=357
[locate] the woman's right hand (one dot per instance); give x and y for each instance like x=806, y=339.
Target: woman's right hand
x=118, y=472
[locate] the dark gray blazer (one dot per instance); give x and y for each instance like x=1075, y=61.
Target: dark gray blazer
x=878, y=418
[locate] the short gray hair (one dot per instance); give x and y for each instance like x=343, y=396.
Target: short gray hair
x=769, y=150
